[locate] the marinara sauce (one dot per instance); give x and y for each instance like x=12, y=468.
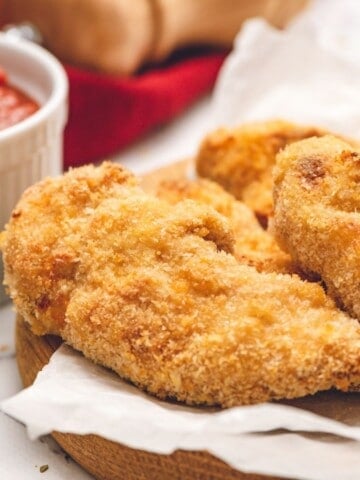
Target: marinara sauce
x=15, y=105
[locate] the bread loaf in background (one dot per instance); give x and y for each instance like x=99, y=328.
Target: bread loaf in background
x=119, y=36
x=110, y=35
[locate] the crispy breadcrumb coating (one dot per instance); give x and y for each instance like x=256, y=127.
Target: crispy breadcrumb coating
x=317, y=203
x=150, y=290
x=241, y=159
x=253, y=245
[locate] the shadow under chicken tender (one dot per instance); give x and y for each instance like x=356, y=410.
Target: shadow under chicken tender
x=317, y=219
x=241, y=159
x=253, y=245
x=150, y=290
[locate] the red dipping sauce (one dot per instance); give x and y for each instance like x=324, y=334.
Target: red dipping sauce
x=15, y=105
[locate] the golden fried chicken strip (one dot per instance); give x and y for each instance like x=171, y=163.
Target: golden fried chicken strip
x=241, y=159
x=149, y=290
x=317, y=219
x=253, y=245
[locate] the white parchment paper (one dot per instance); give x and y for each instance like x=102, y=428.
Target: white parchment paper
x=308, y=73
x=74, y=395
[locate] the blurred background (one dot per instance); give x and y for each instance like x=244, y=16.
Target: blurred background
x=133, y=66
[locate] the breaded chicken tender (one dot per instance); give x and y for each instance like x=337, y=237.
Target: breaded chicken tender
x=317, y=219
x=253, y=245
x=152, y=291
x=241, y=159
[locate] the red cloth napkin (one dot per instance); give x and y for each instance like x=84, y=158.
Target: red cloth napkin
x=108, y=112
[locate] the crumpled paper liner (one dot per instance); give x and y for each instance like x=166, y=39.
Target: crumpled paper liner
x=306, y=74
x=73, y=395
x=309, y=74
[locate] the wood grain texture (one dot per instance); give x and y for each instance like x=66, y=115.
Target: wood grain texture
x=104, y=459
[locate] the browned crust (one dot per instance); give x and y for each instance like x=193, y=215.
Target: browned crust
x=317, y=200
x=149, y=290
x=253, y=245
x=241, y=159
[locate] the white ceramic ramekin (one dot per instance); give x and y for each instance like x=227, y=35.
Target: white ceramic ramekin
x=31, y=149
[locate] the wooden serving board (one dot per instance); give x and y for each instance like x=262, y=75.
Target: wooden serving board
x=107, y=460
